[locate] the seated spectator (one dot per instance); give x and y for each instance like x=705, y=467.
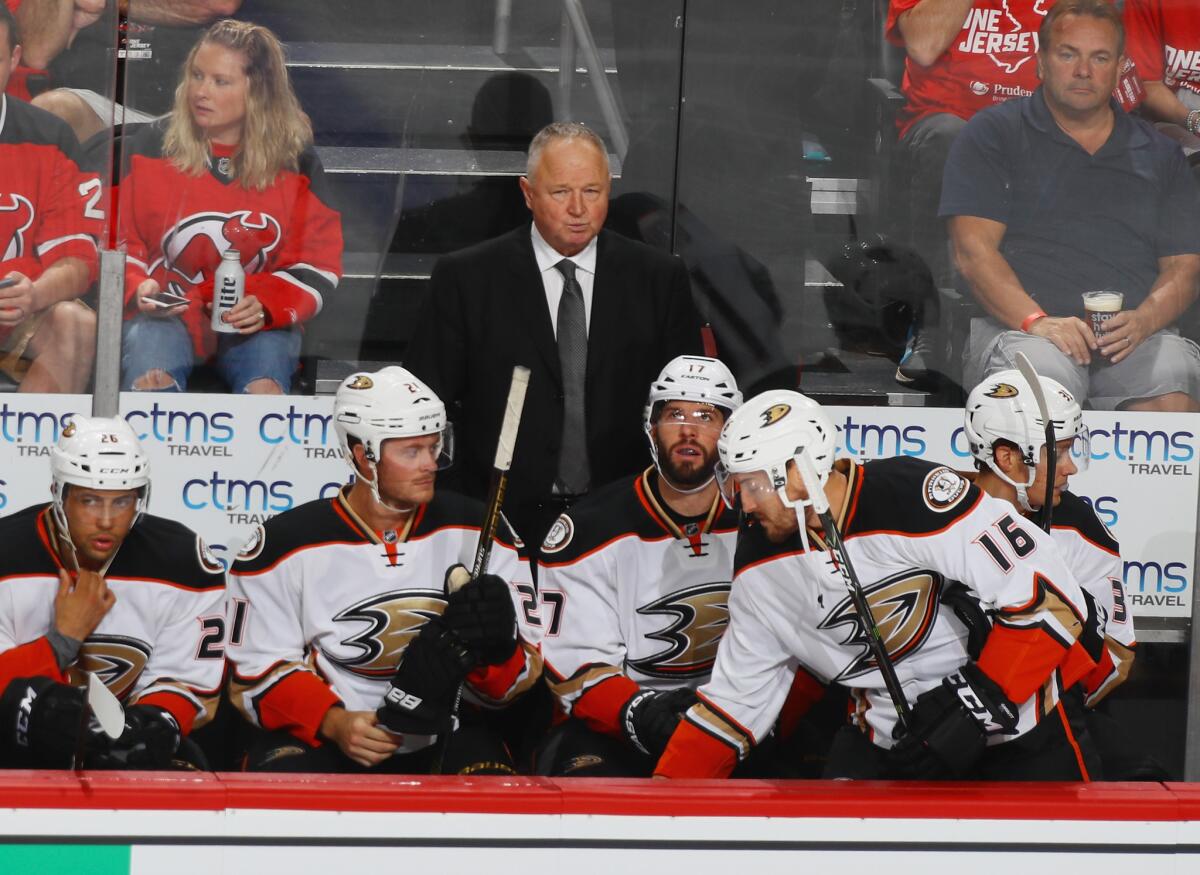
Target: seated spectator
x=1061, y=193
x=49, y=222
x=1164, y=41
x=962, y=56
x=77, y=52
x=49, y=27
x=231, y=168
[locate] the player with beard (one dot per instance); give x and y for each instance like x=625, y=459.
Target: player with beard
x=633, y=584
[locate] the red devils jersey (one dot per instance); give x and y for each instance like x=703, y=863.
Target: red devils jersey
x=1163, y=38
x=162, y=641
x=176, y=226
x=992, y=59
x=909, y=526
x=49, y=208
x=632, y=596
x=322, y=608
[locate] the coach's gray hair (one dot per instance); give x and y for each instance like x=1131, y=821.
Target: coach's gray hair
x=562, y=131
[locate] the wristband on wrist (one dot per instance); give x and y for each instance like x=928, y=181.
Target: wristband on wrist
x=1028, y=321
x=1193, y=121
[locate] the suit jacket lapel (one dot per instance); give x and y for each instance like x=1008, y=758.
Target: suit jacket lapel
x=530, y=301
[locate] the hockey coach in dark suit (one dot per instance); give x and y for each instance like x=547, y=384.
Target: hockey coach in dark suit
x=592, y=314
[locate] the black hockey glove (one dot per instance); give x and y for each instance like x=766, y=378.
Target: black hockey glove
x=150, y=740
x=39, y=723
x=649, y=718
x=970, y=613
x=422, y=694
x=481, y=614
x=949, y=726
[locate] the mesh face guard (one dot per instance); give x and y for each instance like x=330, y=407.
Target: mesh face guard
x=1003, y=407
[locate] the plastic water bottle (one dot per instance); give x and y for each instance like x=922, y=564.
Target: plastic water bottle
x=229, y=286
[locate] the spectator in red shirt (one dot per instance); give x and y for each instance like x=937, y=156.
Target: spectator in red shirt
x=1163, y=38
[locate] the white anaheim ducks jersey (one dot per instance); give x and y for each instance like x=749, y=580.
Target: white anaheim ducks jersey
x=628, y=588
x=908, y=526
x=162, y=641
x=1094, y=557
x=322, y=608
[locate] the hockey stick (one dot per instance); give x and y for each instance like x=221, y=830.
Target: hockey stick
x=100, y=701
x=841, y=560
x=1035, y=385
x=505, y=445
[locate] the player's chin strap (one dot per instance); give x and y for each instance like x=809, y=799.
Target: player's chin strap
x=798, y=506
x=1022, y=488
x=374, y=481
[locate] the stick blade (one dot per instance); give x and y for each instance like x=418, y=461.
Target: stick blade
x=109, y=713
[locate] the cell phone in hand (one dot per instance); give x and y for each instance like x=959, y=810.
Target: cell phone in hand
x=5, y=283
x=167, y=300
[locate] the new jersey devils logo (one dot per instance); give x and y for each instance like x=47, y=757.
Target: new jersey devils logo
x=16, y=215
x=700, y=614
x=192, y=248
x=392, y=619
x=904, y=606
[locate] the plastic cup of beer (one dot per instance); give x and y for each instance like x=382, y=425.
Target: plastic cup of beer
x=1100, y=307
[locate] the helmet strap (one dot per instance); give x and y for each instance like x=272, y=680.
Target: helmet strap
x=1021, y=488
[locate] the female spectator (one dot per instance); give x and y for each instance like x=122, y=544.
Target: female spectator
x=231, y=167
x=1163, y=39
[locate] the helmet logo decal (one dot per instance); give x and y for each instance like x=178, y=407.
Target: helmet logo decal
x=1002, y=390
x=773, y=414
x=69, y=430
x=943, y=489
x=362, y=381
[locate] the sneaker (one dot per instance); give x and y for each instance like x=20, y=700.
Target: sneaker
x=915, y=364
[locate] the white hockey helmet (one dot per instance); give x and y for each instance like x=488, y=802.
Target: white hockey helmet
x=389, y=403
x=690, y=378
x=98, y=453
x=766, y=433
x=1003, y=407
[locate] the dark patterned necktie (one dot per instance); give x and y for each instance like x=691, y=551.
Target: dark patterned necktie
x=573, y=472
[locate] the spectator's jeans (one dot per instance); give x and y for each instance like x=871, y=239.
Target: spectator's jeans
x=927, y=143
x=149, y=343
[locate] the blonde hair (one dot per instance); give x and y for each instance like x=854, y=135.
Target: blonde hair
x=275, y=131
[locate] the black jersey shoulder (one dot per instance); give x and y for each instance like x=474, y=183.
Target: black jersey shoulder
x=611, y=512
x=450, y=509
x=24, y=551
x=25, y=123
x=754, y=548
x=908, y=496
x=1075, y=513
x=157, y=548
x=307, y=525
x=146, y=141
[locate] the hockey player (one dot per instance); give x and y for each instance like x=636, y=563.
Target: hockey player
x=93, y=583
x=1008, y=440
x=911, y=528
x=333, y=599
x=50, y=218
x=634, y=581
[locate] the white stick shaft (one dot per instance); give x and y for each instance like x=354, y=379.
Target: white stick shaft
x=512, y=418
